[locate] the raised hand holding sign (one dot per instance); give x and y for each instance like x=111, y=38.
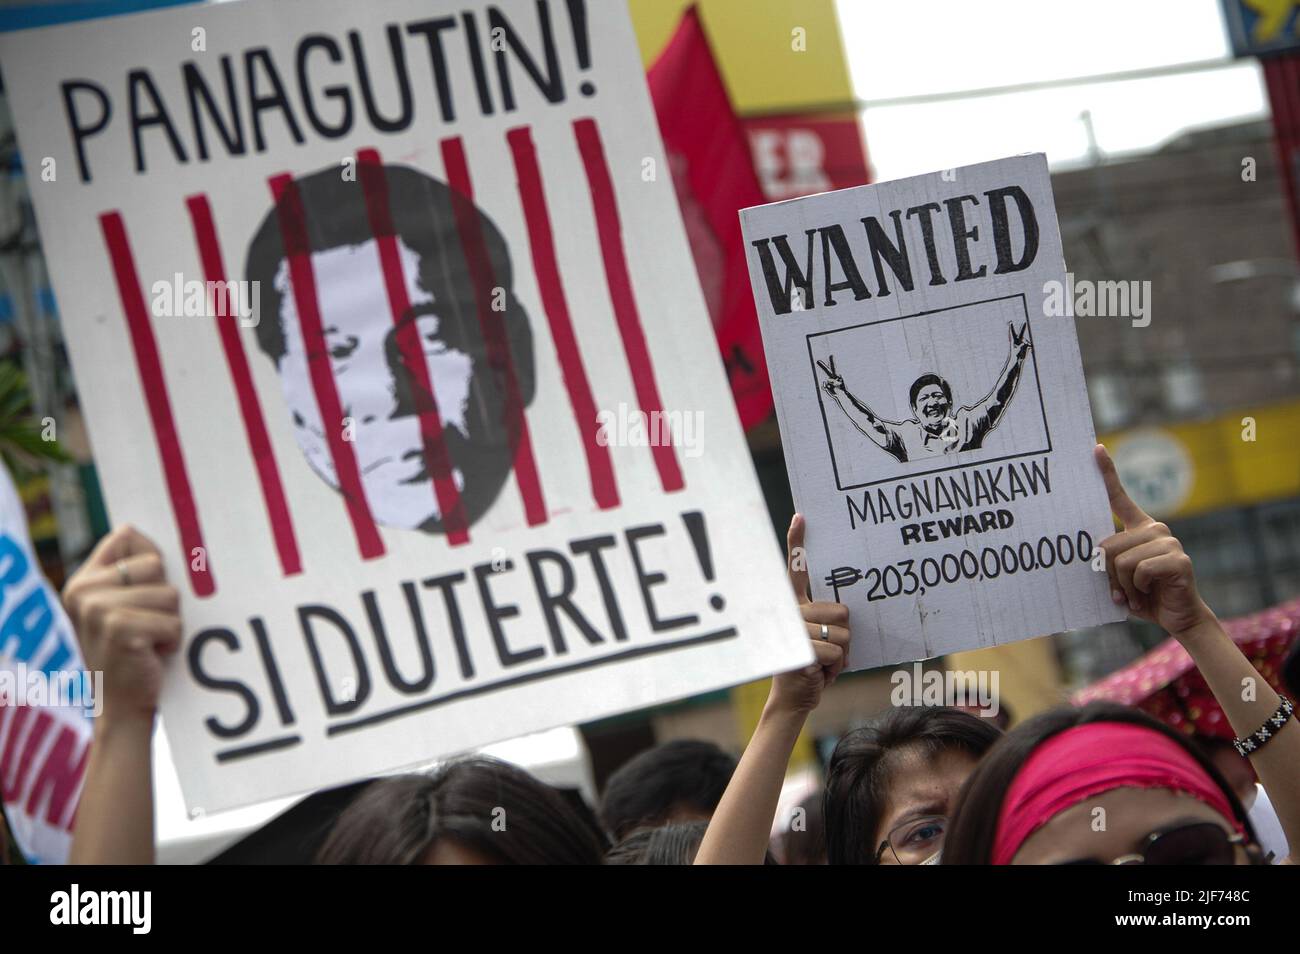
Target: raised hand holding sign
x=1149, y=571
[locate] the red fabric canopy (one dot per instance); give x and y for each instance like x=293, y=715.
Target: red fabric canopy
x=1166, y=684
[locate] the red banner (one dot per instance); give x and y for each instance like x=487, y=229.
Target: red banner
x=714, y=177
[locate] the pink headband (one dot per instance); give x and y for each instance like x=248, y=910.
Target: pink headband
x=1088, y=760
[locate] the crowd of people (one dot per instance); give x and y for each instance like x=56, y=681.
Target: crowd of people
x=1099, y=784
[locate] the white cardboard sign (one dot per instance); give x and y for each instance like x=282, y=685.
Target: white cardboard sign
x=462, y=464
x=933, y=412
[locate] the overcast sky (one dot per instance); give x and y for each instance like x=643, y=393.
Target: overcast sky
x=913, y=47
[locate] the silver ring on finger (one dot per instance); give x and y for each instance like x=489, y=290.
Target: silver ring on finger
x=123, y=574
x=825, y=633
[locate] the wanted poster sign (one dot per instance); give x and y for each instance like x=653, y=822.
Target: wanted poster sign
x=388, y=334
x=935, y=420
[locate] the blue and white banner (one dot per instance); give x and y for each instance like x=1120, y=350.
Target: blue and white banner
x=45, y=700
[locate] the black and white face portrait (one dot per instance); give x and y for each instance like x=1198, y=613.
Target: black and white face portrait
x=379, y=396
x=932, y=406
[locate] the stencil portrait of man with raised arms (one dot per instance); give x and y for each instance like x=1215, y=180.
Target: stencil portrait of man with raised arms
x=380, y=397
x=934, y=429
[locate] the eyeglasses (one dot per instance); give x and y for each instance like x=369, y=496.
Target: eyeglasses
x=1201, y=843
x=913, y=842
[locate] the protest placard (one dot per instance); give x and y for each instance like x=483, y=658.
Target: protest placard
x=388, y=333
x=933, y=412
x=47, y=700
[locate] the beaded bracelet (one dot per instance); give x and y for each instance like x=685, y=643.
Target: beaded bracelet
x=1266, y=731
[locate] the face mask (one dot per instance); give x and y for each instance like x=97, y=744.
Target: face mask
x=934, y=858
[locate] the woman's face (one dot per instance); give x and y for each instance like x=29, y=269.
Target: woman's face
x=922, y=794
x=1115, y=824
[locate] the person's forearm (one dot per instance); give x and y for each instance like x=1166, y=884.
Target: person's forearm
x=852, y=411
x=1248, y=700
x=1009, y=383
x=862, y=417
x=115, y=814
x=1008, y=380
x=862, y=409
x=741, y=827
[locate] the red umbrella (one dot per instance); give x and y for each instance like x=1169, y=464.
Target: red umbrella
x=1166, y=684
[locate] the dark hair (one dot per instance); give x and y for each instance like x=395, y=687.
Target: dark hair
x=807, y=845
x=973, y=826
x=424, y=215
x=861, y=770
x=397, y=820
x=647, y=788
x=665, y=845
x=926, y=380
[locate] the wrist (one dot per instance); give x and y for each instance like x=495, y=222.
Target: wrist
x=778, y=713
x=1201, y=625
x=126, y=724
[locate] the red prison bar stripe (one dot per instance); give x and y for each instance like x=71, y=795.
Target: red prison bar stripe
x=620, y=292
x=259, y=441
x=437, y=460
x=297, y=249
x=492, y=325
x=604, y=487
x=160, y=407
